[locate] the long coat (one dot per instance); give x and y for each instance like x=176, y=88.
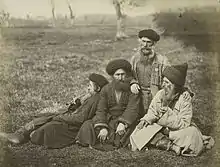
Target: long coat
x=139, y=72
x=109, y=114
x=148, y=76
x=61, y=130
x=178, y=119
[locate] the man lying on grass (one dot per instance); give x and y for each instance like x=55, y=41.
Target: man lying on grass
x=117, y=111
x=60, y=130
x=167, y=124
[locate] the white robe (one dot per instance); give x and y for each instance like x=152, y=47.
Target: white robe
x=183, y=132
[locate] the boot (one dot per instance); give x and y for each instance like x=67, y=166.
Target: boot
x=176, y=149
x=164, y=144
x=14, y=138
x=21, y=136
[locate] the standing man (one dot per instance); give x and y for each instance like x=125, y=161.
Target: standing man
x=147, y=66
x=117, y=111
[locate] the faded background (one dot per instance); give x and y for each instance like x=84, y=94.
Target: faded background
x=44, y=66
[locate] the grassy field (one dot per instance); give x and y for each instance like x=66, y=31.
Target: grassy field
x=42, y=69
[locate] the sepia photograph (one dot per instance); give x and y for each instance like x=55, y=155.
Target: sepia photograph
x=109, y=83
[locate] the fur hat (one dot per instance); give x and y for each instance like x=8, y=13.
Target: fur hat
x=149, y=33
x=114, y=65
x=98, y=79
x=176, y=73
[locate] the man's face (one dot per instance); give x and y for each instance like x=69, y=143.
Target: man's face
x=168, y=88
x=119, y=75
x=146, y=46
x=92, y=87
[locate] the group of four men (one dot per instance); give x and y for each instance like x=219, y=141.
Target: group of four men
x=145, y=104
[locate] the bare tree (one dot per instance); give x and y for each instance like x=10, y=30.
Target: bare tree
x=120, y=34
x=121, y=16
x=53, y=12
x=72, y=16
x=0, y=32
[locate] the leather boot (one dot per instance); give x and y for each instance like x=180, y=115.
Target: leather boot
x=164, y=144
x=176, y=149
x=21, y=136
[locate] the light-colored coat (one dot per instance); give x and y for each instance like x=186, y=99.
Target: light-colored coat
x=178, y=119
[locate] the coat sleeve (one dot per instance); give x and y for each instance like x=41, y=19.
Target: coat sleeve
x=90, y=112
x=134, y=73
x=100, y=119
x=131, y=112
x=153, y=113
x=178, y=119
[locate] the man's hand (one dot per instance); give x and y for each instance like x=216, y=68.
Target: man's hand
x=165, y=100
x=186, y=96
x=103, y=134
x=120, y=129
x=135, y=88
x=142, y=124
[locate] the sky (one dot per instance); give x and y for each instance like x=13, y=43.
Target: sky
x=20, y=8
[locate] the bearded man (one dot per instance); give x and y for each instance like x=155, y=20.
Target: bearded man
x=58, y=130
x=147, y=66
x=117, y=111
x=170, y=117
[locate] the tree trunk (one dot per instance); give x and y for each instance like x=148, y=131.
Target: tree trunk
x=0, y=33
x=53, y=12
x=120, y=34
x=72, y=17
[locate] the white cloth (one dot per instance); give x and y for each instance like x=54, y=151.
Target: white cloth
x=139, y=138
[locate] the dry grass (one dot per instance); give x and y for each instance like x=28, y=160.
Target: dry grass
x=44, y=68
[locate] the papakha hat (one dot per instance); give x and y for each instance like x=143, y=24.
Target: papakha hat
x=116, y=64
x=100, y=80
x=149, y=33
x=176, y=73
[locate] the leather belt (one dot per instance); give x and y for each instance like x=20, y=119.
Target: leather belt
x=146, y=89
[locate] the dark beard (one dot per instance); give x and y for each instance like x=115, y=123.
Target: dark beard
x=121, y=85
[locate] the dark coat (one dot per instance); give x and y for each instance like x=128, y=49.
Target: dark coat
x=109, y=114
x=61, y=130
x=126, y=111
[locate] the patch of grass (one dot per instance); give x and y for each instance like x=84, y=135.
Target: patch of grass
x=44, y=68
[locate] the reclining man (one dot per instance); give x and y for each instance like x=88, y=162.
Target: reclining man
x=60, y=130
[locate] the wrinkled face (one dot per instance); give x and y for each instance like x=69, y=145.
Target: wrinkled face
x=146, y=45
x=119, y=75
x=92, y=87
x=168, y=88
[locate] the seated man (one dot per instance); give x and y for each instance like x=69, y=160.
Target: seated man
x=60, y=130
x=117, y=111
x=173, y=113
